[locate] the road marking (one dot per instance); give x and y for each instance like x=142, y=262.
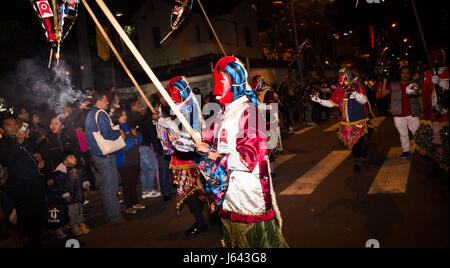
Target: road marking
x=306, y=184
x=393, y=175
x=303, y=130
x=280, y=160
x=333, y=128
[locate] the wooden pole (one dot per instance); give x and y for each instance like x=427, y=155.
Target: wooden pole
x=119, y=58
x=294, y=21
x=421, y=32
x=147, y=69
x=212, y=28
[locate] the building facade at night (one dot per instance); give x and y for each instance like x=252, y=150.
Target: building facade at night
x=192, y=50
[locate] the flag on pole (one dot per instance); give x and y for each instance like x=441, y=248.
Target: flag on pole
x=103, y=49
x=299, y=52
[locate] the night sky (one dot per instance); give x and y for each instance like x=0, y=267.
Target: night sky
x=30, y=41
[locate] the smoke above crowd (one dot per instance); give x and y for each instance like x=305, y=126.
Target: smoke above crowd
x=32, y=84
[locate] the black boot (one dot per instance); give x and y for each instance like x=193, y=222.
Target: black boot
x=196, y=229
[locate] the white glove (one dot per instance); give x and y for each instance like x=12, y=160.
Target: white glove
x=359, y=97
x=169, y=124
x=185, y=143
x=444, y=84
x=411, y=89
x=315, y=98
x=435, y=79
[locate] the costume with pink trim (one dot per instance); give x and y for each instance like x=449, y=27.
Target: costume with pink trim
x=431, y=137
x=238, y=182
x=183, y=163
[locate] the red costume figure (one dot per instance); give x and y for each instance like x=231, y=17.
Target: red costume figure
x=350, y=97
x=184, y=162
x=237, y=171
x=432, y=136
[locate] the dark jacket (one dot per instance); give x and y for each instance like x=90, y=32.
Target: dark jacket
x=19, y=160
x=147, y=128
x=76, y=119
x=65, y=185
x=56, y=145
x=104, y=122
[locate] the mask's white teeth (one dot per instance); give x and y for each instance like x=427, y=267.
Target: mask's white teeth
x=218, y=98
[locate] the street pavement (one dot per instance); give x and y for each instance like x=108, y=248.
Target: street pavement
x=324, y=204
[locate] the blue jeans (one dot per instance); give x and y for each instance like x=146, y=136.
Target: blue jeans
x=109, y=186
x=165, y=176
x=148, y=168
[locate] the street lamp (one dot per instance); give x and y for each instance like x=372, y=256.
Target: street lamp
x=405, y=40
x=118, y=14
x=394, y=25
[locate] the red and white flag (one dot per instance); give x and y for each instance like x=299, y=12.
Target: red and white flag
x=44, y=9
x=72, y=4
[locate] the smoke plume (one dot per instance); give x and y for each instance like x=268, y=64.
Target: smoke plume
x=32, y=84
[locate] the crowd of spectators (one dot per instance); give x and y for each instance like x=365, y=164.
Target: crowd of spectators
x=57, y=157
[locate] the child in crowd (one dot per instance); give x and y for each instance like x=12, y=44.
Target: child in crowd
x=70, y=182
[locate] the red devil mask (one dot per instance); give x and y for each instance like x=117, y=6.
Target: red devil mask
x=222, y=88
x=437, y=58
x=223, y=82
x=344, y=77
x=179, y=89
x=257, y=83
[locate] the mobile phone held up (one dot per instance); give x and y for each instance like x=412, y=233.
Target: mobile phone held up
x=24, y=127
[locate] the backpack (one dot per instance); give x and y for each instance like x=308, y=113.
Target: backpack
x=56, y=210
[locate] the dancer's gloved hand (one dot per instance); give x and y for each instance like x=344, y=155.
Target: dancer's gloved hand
x=315, y=98
x=185, y=143
x=412, y=89
x=360, y=98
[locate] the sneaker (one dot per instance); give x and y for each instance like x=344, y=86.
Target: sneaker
x=145, y=195
x=139, y=206
x=131, y=211
x=76, y=231
x=405, y=155
x=84, y=228
x=86, y=202
x=155, y=193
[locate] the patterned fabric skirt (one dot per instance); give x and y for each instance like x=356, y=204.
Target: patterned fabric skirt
x=432, y=139
x=350, y=134
x=186, y=176
x=264, y=234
